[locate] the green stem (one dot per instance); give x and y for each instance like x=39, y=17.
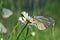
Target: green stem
x=27, y=33
x=21, y=31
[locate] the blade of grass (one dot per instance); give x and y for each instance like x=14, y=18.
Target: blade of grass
x=53, y=34
x=21, y=31
x=13, y=30
x=27, y=33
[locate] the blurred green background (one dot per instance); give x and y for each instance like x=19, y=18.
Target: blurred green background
x=33, y=7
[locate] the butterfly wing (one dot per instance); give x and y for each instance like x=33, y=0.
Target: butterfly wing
x=47, y=21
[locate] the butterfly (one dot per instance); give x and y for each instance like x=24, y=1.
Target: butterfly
x=40, y=22
x=6, y=13
x=2, y=28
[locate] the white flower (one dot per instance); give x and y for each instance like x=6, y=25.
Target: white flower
x=2, y=28
x=22, y=19
x=33, y=34
x=25, y=14
x=6, y=13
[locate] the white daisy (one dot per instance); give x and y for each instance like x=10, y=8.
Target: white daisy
x=22, y=19
x=25, y=14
